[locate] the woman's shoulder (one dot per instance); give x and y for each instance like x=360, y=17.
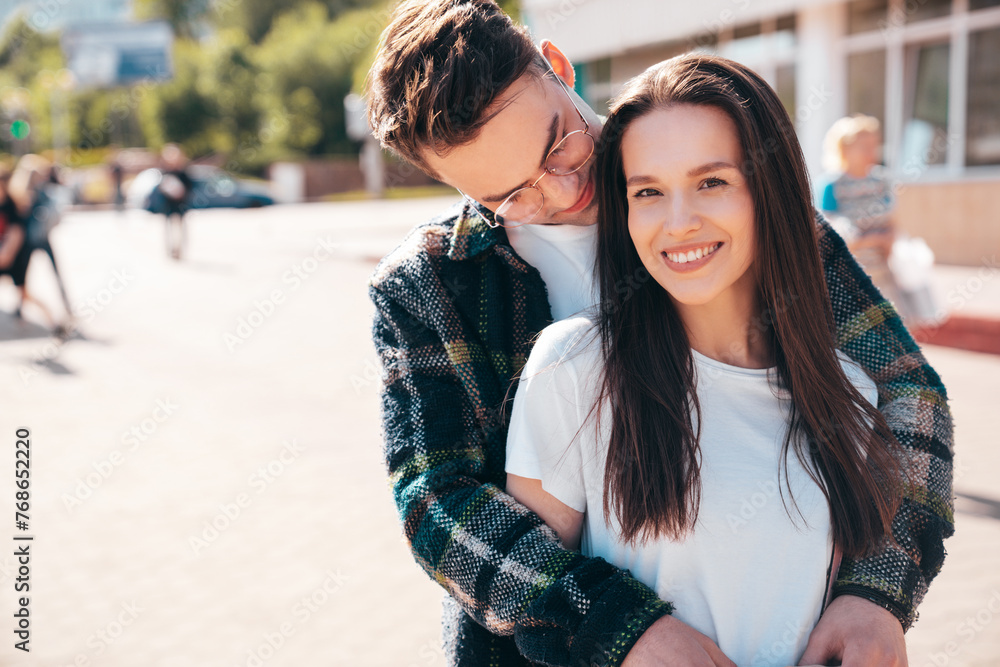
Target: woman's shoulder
x=573, y=342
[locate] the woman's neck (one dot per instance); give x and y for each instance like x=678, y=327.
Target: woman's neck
x=730, y=328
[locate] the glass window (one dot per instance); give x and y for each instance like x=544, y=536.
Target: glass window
x=983, y=120
x=787, y=22
x=783, y=44
x=866, y=84
x=748, y=30
x=925, y=9
x=583, y=78
x=865, y=15
x=747, y=45
x=925, y=129
x=597, y=90
x=784, y=85
x=601, y=71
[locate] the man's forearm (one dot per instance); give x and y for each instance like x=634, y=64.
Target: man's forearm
x=914, y=403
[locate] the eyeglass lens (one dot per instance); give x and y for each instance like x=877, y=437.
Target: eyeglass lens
x=568, y=156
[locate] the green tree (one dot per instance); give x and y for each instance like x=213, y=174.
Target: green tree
x=212, y=104
x=180, y=109
x=311, y=62
x=188, y=18
x=28, y=63
x=257, y=17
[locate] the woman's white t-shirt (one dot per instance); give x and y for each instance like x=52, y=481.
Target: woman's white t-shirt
x=750, y=576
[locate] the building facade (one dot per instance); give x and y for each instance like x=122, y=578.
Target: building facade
x=929, y=70
x=45, y=15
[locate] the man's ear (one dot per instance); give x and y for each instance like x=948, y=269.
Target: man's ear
x=559, y=62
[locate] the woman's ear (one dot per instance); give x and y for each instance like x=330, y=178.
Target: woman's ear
x=559, y=62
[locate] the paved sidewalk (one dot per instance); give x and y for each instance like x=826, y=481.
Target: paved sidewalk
x=972, y=291
x=969, y=302
x=207, y=484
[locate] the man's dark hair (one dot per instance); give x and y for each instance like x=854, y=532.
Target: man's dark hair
x=439, y=67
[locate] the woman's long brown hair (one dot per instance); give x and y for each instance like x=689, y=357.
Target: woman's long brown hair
x=652, y=477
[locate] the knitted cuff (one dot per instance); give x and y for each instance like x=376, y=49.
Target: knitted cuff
x=617, y=620
x=905, y=617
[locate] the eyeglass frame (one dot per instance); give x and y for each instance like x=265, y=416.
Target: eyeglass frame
x=545, y=171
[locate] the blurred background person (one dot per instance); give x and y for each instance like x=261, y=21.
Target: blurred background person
x=858, y=199
x=117, y=175
x=11, y=236
x=36, y=191
x=172, y=197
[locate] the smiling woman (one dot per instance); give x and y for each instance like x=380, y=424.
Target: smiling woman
x=640, y=432
x=690, y=206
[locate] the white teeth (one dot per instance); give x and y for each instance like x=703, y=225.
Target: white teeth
x=692, y=255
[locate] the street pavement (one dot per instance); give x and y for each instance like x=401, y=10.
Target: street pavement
x=207, y=486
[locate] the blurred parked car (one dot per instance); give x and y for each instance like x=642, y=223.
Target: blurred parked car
x=213, y=188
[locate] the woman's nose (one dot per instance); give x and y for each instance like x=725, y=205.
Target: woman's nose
x=680, y=218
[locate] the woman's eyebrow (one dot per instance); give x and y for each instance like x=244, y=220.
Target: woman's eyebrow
x=710, y=166
x=696, y=171
x=640, y=180
x=553, y=129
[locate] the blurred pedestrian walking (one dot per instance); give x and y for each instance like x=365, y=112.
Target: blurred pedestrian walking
x=39, y=199
x=117, y=175
x=859, y=201
x=172, y=197
x=11, y=236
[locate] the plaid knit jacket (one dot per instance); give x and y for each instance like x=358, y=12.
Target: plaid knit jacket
x=456, y=312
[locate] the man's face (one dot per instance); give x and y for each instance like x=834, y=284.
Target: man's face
x=511, y=148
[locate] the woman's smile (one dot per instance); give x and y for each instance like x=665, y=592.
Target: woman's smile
x=687, y=259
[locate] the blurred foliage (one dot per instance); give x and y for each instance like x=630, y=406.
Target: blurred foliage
x=256, y=17
x=188, y=18
x=254, y=80
x=196, y=18
x=28, y=63
x=512, y=8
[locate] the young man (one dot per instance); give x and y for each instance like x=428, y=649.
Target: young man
x=461, y=92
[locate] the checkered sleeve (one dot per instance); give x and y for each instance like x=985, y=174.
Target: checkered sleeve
x=497, y=559
x=914, y=403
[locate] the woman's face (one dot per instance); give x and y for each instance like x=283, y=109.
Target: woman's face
x=690, y=211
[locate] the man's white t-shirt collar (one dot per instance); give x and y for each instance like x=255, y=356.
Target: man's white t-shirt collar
x=564, y=255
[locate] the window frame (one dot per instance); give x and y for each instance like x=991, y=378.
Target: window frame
x=955, y=29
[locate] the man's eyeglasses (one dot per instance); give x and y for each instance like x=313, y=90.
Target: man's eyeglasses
x=566, y=157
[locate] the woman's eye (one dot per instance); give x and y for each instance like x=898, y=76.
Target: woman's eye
x=714, y=182
x=645, y=192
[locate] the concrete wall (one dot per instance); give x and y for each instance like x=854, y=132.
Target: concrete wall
x=332, y=175
x=590, y=29
x=960, y=221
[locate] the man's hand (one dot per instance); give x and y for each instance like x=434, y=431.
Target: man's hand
x=672, y=643
x=854, y=632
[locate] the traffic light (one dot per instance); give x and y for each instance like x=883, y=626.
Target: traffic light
x=20, y=129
